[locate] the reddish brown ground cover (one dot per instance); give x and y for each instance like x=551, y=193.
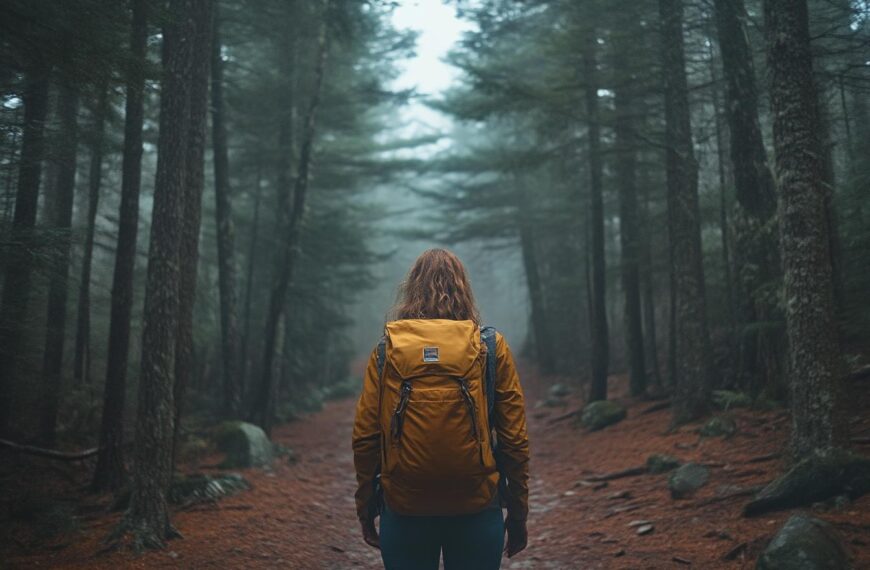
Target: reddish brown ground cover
x=302, y=516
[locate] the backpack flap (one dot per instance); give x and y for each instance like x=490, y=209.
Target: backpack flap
x=432, y=347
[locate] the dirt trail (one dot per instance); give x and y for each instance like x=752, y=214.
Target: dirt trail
x=302, y=515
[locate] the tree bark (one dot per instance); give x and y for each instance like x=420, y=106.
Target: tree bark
x=17, y=282
x=629, y=220
x=82, y=360
x=805, y=244
x=110, y=472
x=600, y=349
x=232, y=387
x=757, y=261
x=692, y=354
x=191, y=204
x=262, y=412
x=249, y=281
x=541, y=331
x=61, y=221
x=147, y=517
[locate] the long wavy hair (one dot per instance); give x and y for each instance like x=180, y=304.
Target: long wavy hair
x=436, y=287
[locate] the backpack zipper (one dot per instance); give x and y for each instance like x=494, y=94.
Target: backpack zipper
x=398, y=418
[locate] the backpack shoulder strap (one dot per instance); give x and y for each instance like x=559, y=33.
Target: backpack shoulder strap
x=381, y=356
x=487, y=337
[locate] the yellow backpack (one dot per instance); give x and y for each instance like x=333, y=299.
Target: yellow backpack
x=436, y=395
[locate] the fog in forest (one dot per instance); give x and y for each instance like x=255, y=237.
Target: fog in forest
x=207, y=208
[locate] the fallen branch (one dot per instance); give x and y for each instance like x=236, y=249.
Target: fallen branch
x=50, y=453
x=860, y=373
x=763, y=458
x=631, y=472
x=733, y=495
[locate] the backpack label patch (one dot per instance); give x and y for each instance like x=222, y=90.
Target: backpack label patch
x=430, y=354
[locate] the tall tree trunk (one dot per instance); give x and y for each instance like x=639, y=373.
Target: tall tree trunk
x=540, y=327
x=147, y=517
x=648, y=293
x=110, y=473
x=249, y=281
x=18, y=265
x=82, y=361
x=805, y=245
x=262, y=411
x=61, y=221
x=692, y=353
x=226, y=235
x=757, y=260
x=600, y=349
x=629, y=221
x=191, y=204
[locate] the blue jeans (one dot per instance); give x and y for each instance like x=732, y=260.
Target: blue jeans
x=469, y=542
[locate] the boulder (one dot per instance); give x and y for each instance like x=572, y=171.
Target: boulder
x=806, y=543
x=719, y=426
x=600, y=414
x=661, y=463
x=687, y=479
x=815, y=478
x=245, y=445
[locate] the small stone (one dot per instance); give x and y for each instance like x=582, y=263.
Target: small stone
x=687, y=479
x=661, y=463
x=558, y=391
x=645, y=529
x=620, y=495
x=638, y=523
x=618, y=553
x=719, y=426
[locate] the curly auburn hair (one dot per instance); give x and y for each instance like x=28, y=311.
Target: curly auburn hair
x=436, y=287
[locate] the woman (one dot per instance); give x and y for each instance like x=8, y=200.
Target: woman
x=440, y=442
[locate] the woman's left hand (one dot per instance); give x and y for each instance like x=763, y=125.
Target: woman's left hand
x=370, y=534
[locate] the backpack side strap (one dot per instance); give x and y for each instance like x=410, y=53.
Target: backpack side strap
x=487, y=337
x=381, y=356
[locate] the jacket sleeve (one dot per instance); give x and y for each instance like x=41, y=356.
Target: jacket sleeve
x=367, y=439
x=510, y=425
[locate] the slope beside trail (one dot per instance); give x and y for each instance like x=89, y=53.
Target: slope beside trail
x=301, y=515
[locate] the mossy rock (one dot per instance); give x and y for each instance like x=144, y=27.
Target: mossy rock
x=347, y=388
x=687, y=479
x=661, y=463
x=245, y=445
x=600, y=414
x=805, y=543
x=719, y=426
x=728, y=399
x=558, y=391
x=815, y=478
x=311, y=402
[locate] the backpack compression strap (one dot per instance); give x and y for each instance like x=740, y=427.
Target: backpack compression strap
x=487, y=337
x=381, y=356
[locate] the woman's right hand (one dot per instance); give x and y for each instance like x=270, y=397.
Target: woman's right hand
x=370, y=534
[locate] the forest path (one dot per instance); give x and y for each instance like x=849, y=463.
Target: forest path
x=301, y=515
